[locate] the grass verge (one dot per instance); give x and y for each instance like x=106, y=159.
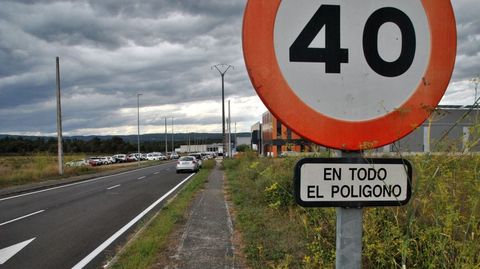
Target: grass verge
x=439, y=228
x=142, y=251
x=19, y=170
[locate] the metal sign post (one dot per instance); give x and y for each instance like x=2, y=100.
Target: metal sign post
x=350, y=183
x=349, y=238
x=349, y=232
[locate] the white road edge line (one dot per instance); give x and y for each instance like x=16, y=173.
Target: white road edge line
x=76, y=183
x=26, y=216
x=156, y=173
x=116, y=235
x=142, y=177
x=113, y=187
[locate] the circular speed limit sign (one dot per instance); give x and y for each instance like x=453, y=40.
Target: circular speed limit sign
x=350, y=74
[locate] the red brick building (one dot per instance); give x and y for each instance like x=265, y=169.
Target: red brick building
x=278, y=139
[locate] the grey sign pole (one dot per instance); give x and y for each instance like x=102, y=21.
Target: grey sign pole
x=349, y=233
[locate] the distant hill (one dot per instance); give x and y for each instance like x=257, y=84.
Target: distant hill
x=103, y=144
x=207, y=137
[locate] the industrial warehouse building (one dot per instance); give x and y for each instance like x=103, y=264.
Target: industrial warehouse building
x=450, y=128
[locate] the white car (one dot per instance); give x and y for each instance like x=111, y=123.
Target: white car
x=199, y=158
x=105, y=160
x=77, y=163
x=187, y=163
x=120, y=158
x=155, y=156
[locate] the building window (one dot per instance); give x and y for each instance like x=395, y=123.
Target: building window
x=289, y=134
x=279, y=129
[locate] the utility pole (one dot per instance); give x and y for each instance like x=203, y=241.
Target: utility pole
x=166, y=138
x=173, y=139
x=222, y=69
x=59, y=122
x=138, y=126
x=189, y=142
x=229, y=132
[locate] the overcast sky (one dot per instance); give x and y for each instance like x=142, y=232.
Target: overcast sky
x=110, y=50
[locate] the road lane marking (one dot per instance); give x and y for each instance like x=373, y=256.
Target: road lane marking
x=77, y=183
x=26, y=216
x=117, y=234
x=142, y=177
x=113, y=187
x=8, y=252
x=156, y=173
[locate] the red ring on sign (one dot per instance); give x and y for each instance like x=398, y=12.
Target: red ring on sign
x=283, y=103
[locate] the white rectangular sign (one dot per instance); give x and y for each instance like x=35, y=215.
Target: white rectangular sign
x=352, y=182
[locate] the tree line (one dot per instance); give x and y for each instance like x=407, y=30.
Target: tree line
x=10, y=145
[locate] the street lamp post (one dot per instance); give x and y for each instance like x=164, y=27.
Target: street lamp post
x=222, y=69
x=475, y=81
x=138, y=127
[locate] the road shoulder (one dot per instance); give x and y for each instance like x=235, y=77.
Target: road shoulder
x=206, y=239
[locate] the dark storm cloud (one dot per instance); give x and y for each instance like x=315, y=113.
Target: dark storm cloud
x=110, y=50
x=157, y=8
x=468, y=39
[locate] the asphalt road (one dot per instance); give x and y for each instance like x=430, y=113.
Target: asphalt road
x=82, y=224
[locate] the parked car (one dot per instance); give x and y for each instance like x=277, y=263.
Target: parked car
x=289, y=154
x=120, y=158
x=105, y=160
x=132, y=157
x=152, y=156
x=174, y=156
x=199, y=158
x=94, y=161
x=187, y=163
x=76, y=163
x=155, y=156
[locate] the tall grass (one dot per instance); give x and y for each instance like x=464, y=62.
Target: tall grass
x=439, y=228
x=18, y=170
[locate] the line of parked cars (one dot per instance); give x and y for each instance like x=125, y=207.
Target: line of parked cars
x=121, y=158
x=104, y=160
